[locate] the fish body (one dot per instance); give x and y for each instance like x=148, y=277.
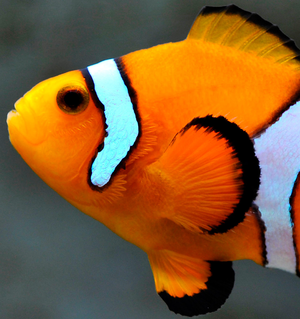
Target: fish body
x=187, y=150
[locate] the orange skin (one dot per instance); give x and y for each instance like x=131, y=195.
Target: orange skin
x=59, y=147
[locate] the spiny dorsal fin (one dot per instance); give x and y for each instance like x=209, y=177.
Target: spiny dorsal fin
x=233, y=27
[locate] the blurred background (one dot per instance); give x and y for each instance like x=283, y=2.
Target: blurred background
x=55, y=262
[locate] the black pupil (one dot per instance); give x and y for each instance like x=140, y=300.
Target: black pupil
x=73, y=99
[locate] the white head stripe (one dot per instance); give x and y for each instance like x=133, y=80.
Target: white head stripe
x=278, y=152
x=120, y=118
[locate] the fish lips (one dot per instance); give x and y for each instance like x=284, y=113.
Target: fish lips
x=24, y=125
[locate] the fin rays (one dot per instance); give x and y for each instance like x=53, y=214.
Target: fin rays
x=245, y=31
x=190, y=286
x=215, y=174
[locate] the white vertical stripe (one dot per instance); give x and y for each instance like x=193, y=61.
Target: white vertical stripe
x=120, y=118
x=278, y=151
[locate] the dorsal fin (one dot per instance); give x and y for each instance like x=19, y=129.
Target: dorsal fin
x=233, y=27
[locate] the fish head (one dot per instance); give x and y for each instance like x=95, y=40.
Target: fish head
x=56, y=127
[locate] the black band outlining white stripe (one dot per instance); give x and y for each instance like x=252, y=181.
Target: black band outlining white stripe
x=294, y=221
x=120, y=118
x=279, y=156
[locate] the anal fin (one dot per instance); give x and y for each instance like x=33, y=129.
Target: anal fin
x=190, y=286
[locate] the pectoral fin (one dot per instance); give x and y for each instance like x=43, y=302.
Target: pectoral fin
x=212, y=167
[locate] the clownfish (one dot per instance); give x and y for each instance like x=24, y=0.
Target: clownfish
x=188, y=150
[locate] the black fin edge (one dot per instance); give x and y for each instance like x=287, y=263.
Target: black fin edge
x=240, y=141
x=255, y=19
x=219, y=286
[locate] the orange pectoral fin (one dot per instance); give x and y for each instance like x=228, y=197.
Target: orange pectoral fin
x=190, y=286
x=214, y=172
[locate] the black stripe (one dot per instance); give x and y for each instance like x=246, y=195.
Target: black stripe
x=132, y=92
x=96, y=100
x=293, y=219
x=255, y=210
x=240, y=141
x=134, y=100
x=218, y=287
x=91, y=87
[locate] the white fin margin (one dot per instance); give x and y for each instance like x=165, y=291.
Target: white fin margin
x=122, y=125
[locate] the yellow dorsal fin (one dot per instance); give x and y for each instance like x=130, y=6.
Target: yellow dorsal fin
x=245, y=31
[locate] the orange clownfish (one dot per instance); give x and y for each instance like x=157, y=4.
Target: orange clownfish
x=188, y=150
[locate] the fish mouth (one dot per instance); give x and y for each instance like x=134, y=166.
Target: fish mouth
x=10, y=115
x=23, y=124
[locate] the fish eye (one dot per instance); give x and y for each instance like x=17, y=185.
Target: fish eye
x=73, y=99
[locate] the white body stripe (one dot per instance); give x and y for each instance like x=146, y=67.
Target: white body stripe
x=120, y=117
x=278, y=151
